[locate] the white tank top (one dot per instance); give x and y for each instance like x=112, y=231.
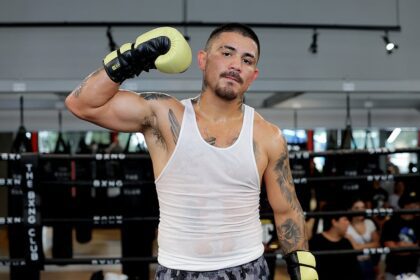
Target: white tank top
x=209, y=201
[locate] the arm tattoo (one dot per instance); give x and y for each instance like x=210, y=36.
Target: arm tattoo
x=175, y=127
x=78, y=90
x=289, y=235
x=285, y=181
x=155, y=95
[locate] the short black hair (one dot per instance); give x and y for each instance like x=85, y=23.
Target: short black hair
x=240, y=28
x=408, y=198
x=332, y=207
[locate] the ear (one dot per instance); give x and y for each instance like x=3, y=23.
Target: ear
x=255, y=75
x=202, y=59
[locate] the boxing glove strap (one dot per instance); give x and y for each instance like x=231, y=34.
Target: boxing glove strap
x=301, y=265
x=132, y=61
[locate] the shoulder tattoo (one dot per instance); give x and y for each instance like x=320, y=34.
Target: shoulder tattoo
x=155, y=96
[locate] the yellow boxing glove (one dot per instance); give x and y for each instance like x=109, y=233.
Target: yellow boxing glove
x=163, y=48
x=301, y=265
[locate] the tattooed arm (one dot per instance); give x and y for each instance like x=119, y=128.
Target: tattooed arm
x=100, y=100
x=288, y=214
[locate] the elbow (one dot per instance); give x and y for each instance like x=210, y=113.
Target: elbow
x=75, y=106
x=70, y=104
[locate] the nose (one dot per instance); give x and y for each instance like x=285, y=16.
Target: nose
x=235, y=63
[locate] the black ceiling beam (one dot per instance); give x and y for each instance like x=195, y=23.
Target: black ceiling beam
x=197, y=24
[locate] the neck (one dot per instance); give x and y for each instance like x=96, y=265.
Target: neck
x=218, y=109
x=332, y=235
x=357, y=221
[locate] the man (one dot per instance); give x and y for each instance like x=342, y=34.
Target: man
x=342, y=266
x=209, y=155
x=402, y=231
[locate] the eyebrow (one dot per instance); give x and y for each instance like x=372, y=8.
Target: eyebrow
x=234, y=49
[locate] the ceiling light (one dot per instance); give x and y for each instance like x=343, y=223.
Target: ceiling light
x=389, y=46
x=394, y=135
x=313, y=48
x=111, y=43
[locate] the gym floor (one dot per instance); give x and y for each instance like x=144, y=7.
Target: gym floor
x=104, y=243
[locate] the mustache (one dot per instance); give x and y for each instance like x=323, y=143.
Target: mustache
x=232, y=74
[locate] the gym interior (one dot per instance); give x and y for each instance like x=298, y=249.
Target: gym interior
x=341, y=79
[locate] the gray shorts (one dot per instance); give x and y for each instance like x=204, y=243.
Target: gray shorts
x=255, y=270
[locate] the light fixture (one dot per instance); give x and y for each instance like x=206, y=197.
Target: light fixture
x=111, y=43
x=393, y=135
x=389, y=46
x=313, y=48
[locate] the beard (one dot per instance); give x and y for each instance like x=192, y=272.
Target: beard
x=226, y=93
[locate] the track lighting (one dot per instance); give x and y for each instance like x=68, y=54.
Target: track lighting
x=111, y=43
x=389, y=46
x=313, y=48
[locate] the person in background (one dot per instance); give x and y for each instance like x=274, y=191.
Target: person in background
x=335, y=266
x=399, y=188
x=399, y=232
x=377, y=197
x=362, y=233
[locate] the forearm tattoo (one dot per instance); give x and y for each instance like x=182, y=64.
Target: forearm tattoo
x=79, y=89
x=155, y=95
x=289, y=235
x=292, y=232
x=175, y=127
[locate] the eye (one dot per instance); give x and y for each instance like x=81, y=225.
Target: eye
x=247, y=61
x=226, y=53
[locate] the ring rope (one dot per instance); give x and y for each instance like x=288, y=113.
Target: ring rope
x=119, y=219
x=117, y=183
x=292, y=154
x=118, y=260
x=351, y=152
